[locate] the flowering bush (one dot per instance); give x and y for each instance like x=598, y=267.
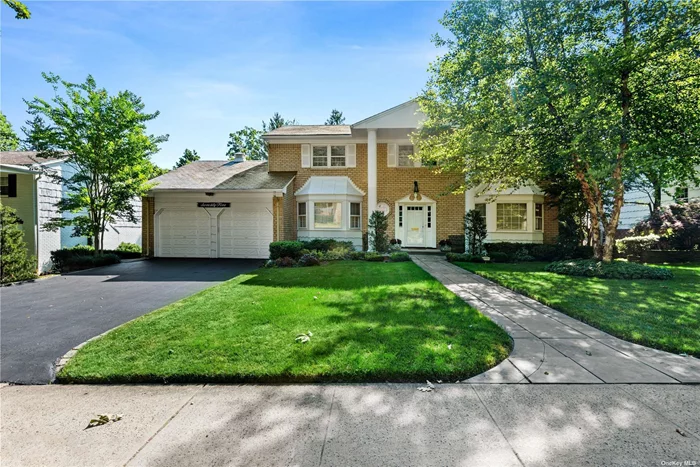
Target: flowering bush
x=677, y=225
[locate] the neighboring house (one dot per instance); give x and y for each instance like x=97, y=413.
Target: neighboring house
x=26, y=186
x=323, y=182
x=637, y=204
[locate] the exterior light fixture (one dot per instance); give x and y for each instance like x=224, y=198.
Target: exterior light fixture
x=209, y=193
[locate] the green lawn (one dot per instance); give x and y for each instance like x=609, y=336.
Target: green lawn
x=659, y=314
x=369, y=322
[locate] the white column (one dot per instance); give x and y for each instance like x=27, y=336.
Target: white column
x=371, y=171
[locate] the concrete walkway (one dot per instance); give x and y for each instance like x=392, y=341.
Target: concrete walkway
x=358, y=425
x=551, y=347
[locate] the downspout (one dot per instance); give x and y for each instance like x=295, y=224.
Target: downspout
x=35, y=206
x=278, y=220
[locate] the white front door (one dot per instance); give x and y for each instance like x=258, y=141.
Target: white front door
x=415, y=226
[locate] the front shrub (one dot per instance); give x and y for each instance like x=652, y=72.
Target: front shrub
x=545, y=252
x=285, y=262
x=129, y=247
x=635, y=246
x=499, y=257
x=475, y=232
x=81, y=248
x=326, y=244
x=376, y=227
x=71, y=259
x=522, y=256
x=538, y=251
x=356, y=256
x=15, y=262
x=372, y=256
x=286, y=249
x=677, y=225
x=399, y=257
x=309, y=260
x=613, y=270
x=463, y=258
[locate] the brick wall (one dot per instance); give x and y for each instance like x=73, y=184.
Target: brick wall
x=551, y=222
x=393, y=183
x=148, y=206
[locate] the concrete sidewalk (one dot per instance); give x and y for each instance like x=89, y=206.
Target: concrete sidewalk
x=551, y=347
x=380, y=424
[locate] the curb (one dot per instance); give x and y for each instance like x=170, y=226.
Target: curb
x=63, y=360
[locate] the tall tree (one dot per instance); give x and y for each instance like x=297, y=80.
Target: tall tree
x=20, y=9
x=532, y=88
x=336, y=118
x=248, y=141
x=187, y=157
x=105, y=139
x=35, y=134
x=275, y=122
x=8, y=138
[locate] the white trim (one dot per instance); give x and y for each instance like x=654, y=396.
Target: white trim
x=371, y=172
x=365, y=123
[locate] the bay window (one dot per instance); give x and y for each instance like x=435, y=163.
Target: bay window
x=327, y=215
x=511, y=216
x=301, y=216
x=539, y=217
x=355, y=216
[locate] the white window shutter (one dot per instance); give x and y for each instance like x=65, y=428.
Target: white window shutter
x=350, y=155
x=391, y=151
x=306, y=155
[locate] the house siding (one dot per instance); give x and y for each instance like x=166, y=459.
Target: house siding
x=24, y=205
x=148, y=205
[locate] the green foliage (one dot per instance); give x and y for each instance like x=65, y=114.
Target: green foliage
x=336, y=118
x=612, y=270
x=374, y=257
x=20, y=9
x=377, y=227
x=105, y=140
x=463, y=258
x=327, y=244
x=187, y=157
x=499, y=257
x=16, y=264
x=129, y=247
x=286, y=248
x=634, y=246
x=9, y=141
x=36, y=135
x=248, y=141
x=678, y=225
x=356, y=256
x=593, y=90
x=309, y=260
x=537, y=251
x=77, y=258
x=285, y=262
x=475, y=232
x=399, y=257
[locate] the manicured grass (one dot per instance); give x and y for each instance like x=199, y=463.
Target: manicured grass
x=369, y=322
x=660, y=314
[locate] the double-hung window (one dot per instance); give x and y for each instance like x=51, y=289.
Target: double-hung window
x=4, y=185
x=355, y=216
x=301, y=216
x=328, y=156
x=511, y=216
x=539, y=216
x=405, y=155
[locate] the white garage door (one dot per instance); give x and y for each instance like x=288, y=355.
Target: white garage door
x=184, y=234
x=243, y=230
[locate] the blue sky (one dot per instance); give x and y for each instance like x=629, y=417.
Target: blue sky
x=213, y=67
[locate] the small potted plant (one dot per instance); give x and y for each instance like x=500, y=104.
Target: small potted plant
x=395, y=244
x=445, y=245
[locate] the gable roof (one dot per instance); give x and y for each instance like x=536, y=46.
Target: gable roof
x=310, y=130
x=26, y=158
x=223, y=175
x=406, y=115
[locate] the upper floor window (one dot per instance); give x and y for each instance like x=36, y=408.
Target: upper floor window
x=328, y=156
x=405, y=155
x=511, y=216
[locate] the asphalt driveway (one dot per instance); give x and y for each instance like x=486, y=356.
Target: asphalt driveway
x=42, y=320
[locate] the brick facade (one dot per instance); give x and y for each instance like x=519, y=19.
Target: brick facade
x=393, y=183
x=551, y=222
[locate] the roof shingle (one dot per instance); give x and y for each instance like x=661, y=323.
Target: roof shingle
x=24, y=158
x=223, y=175
x=311, y=130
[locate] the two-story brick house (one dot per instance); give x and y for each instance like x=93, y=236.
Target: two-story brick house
x=323, y=182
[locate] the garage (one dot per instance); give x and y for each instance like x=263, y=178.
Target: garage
x=215, y=209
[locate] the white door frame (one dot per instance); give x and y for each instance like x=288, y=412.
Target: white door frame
x=429, y=220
